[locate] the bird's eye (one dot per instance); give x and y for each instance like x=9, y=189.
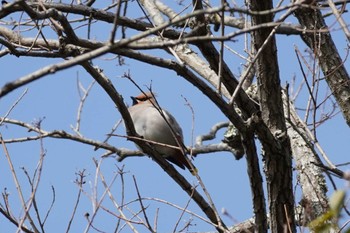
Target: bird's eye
x=143, y=99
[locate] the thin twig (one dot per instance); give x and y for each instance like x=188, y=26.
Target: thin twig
x=182, y=214
x=83, y=98
x=52, y=204
x=143, y=208
x=19, y=190
x=79, y=181
x=13, y=106
x=115, y=22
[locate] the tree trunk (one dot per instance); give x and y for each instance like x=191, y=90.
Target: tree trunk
x=277, y=155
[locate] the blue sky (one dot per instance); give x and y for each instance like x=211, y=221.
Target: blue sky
x=55, y=99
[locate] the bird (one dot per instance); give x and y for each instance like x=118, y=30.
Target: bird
x=151, y=125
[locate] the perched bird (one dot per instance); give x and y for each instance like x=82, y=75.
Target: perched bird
x=150, y=124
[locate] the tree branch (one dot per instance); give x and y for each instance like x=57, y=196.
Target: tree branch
x=320, y=41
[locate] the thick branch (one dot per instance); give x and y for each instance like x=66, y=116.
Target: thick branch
x=320, y=41
x=256, y=181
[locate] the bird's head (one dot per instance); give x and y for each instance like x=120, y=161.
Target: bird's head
x=144, y=97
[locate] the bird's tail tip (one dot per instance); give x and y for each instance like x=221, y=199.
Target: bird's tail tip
x=194, y=171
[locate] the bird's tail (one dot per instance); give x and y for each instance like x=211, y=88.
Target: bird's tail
x=189, y=165
x=194, y=171
x=183, y=162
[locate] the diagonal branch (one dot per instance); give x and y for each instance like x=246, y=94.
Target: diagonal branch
x=320, y=41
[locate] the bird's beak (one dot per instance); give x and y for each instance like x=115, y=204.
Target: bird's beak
x=134, y=100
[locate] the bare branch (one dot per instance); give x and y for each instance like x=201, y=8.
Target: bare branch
x=26, y=206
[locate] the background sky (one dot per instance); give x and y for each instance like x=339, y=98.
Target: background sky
x=54, y=99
